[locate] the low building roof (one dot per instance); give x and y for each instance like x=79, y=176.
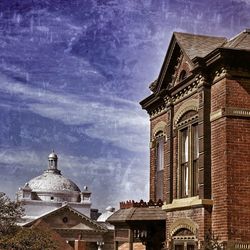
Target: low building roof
x=83, y=219
x=137, y=214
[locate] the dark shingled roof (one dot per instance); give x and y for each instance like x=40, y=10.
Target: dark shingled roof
x=241, y=41
x=138, y=214
x=198, y=45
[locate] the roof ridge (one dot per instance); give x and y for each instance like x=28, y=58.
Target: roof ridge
x=242, y=32
x=237, y=39
x=200, y=35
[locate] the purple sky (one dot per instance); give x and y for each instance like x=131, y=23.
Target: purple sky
x=72, y=73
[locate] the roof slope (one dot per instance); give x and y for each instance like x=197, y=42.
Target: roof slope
x=61, y=243
x=240, y=41
x=82, y=218
x=137, y=214
x=198, y=45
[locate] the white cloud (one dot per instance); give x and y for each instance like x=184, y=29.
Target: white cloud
x=122, y=123
x=19, y=157
x=245, y=1
x=38, y=160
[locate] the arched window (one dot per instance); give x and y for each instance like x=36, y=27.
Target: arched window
x=159, y=137
x=188, y=154
x=183, y=75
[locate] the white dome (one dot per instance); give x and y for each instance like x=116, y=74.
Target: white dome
x=50, y=181
x=53, y=155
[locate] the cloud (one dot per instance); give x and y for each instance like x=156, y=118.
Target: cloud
x=108, y=118
x=243, y=1
x=21, y=158
x=31, y=159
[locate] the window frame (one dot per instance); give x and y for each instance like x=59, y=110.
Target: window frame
x=191, y=126
x=159, y=172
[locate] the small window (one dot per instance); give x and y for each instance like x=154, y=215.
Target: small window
x=183, y=75
x=160, y=153
x=65, y=219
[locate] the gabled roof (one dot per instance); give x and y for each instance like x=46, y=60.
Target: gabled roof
x=189, y=44
x=198, y=45
x=192, y=46
x=83, y=219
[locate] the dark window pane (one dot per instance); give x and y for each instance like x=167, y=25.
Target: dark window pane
x=184, y=146
x=195, y=175
x=195, y=142
x=160, y=153
x=159, y=185
x=179, y=247
x=184, y=180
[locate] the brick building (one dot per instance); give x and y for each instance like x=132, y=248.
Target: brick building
x=200, y=143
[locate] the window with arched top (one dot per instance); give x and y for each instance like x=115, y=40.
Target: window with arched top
x=183, y=75
x=188, y=154
x=159, y=152
x=184, y=239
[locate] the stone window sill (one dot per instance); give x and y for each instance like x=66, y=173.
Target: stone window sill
x=187, y=203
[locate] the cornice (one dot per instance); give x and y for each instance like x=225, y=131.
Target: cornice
x=157, y=111
x=230, y=112
x=185, y=92
x=179, y=95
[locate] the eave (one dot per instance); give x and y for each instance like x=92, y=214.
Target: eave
x=226, y=56
x=153, y=100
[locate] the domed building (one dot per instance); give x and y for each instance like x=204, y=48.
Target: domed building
x=51, y=190
x=56, y=204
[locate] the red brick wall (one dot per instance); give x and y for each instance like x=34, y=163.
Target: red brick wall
x=231, y=162
x=219, y=179
x=238, y=167
x=238, y=93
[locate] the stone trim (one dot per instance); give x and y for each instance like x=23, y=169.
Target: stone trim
x=229, y=112
x=241, y=245
x=157, y=111
x=187, y=121
x=160, y=126
x=178, y=97
x=220, y=74
x=187, y=203
x=183, y=223
x=184, y=93
x=185, y=107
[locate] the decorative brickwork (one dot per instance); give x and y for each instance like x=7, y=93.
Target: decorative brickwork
x=141, y=203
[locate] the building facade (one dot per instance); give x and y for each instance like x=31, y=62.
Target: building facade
x=200, y=142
